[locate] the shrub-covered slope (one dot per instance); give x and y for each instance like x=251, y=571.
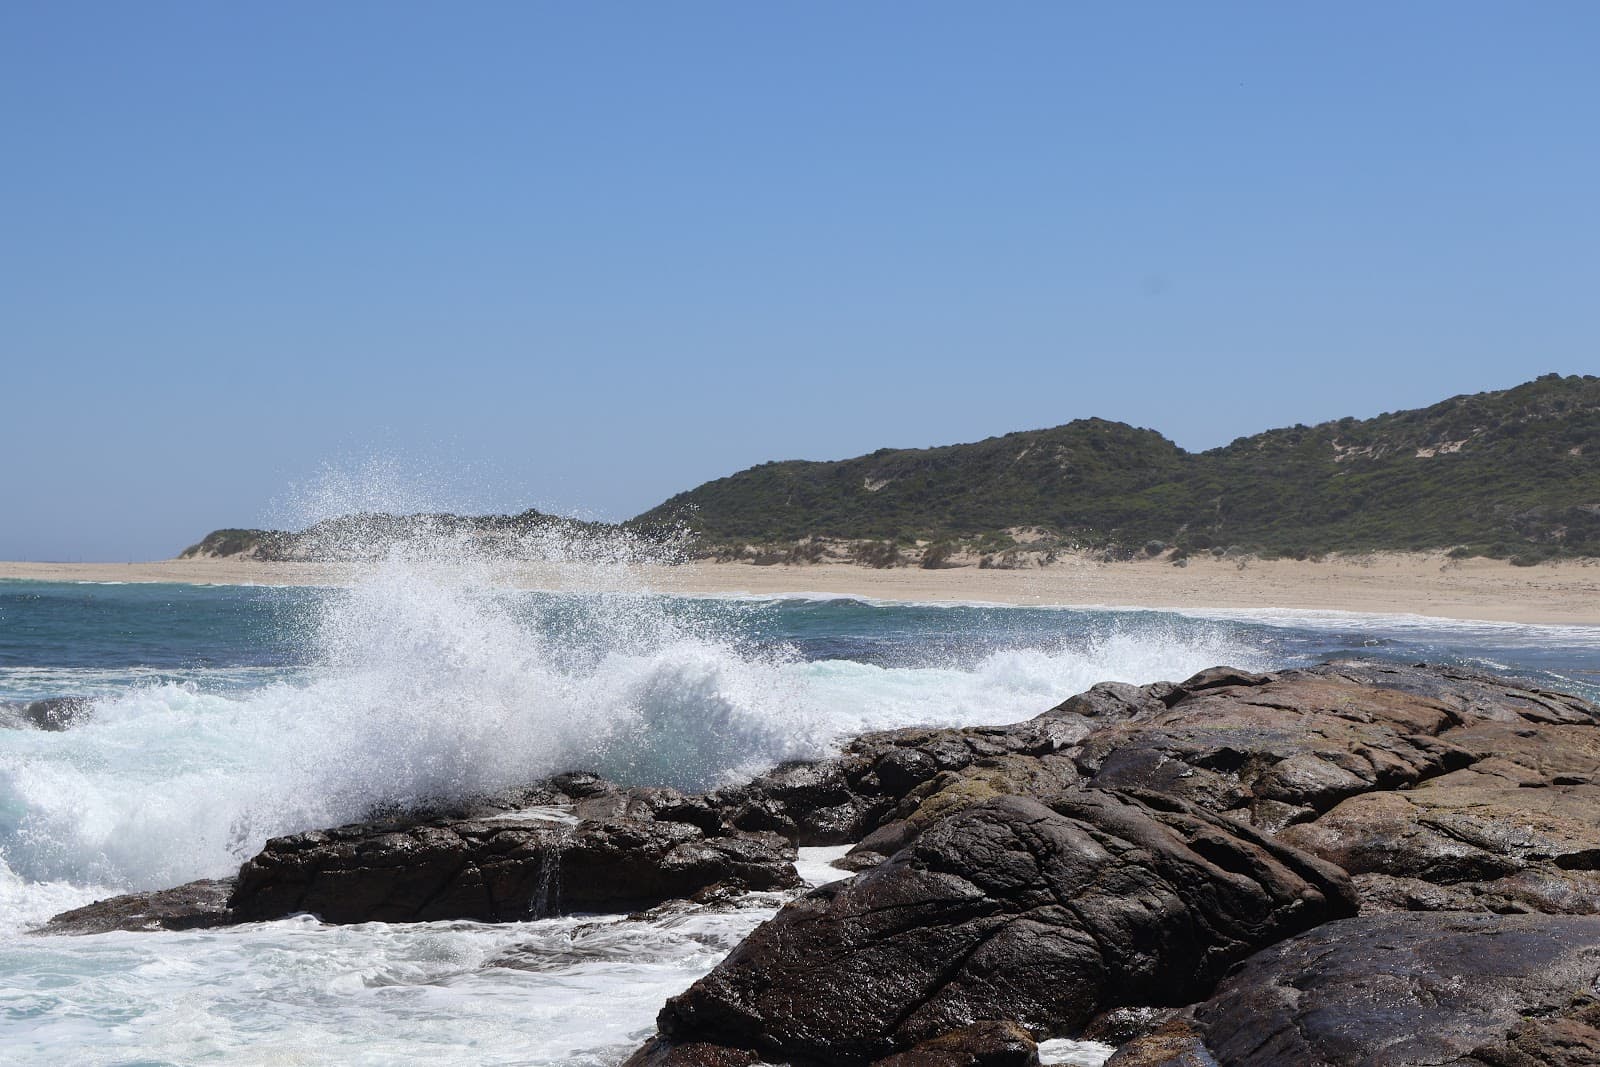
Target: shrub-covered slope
x=1513, y=472
x=370, y=535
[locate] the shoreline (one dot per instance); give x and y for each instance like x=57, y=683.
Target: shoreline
x=1424, y=584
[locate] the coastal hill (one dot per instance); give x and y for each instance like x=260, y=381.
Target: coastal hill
x=367, y=535
x=1512, y=474
x=1508, y=473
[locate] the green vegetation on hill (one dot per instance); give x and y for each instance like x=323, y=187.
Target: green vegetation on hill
x=1509, y=473
x=369, y=535
x=1514, y=473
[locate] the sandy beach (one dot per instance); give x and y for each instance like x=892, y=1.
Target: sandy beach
x=1388, y=583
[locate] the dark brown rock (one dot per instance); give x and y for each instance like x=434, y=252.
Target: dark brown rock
x=884, y=776
x=1112, y=702
x=194, y=906
x=984, y=1044
x=1016, y=910
x=1382, y=991
x=1176, y=1043
x=498, y=869
x=52, y=713
x=1517, y=831
x=1008, y=775
x=1121, y=1025
x=1277, y=749
x=658, y=1052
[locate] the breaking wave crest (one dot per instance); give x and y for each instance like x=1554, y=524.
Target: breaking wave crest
x=430, y=677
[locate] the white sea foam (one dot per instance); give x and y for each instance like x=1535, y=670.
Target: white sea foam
x=430, y=679
x=1512, y=634
x=569, y=992
x=1074, y=1053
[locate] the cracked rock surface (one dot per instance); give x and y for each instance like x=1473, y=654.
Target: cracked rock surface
x=1389, y=990
x=498, y=869
x=1041, y=912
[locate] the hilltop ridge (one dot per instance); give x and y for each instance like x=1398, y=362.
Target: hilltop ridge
x=1513, y=473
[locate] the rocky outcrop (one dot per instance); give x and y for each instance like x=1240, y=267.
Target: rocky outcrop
x=888, y=775
x=500, y=868
x=51, y=713
x=1280, y=749
x=1274, y=750
x=1517, y=831
x=573, y=843
x=1440, y=789
x=1387, y=990
x=1037, y=912
x=1092, y=870
x=984, y=1044
x=187, y=907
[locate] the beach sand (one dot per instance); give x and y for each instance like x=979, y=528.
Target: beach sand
x=1388, y=583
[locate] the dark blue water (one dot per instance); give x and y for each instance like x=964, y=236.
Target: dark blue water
x=181, y=630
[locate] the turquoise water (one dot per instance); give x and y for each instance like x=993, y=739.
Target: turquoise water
x=219, y=716
x=98, y=634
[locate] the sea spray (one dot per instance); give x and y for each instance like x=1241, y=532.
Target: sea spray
x=182, y=771
x=431, y=677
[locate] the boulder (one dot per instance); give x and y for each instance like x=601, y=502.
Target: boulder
x=194, y=906
x=886, y=775
x=1517, y=831
x=1481, y=842
x=497, y=869
x=1387, y=990
x=52, y=713
x=984, y=1044
x=1037, y=912
x=1282, y=749
x=1279, y=749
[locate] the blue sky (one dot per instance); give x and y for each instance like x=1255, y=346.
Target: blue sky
x=584, y=256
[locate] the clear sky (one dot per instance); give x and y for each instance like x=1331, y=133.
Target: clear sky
x=584, y=256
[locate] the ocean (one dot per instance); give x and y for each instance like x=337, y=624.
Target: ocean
x=222, y=715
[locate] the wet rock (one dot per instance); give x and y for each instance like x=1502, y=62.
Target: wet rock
x=1273, y=749
x=661, y=1053
x=1122, y=1025
x=194, y=906
x=1010, y=774
x=1112, y=702
x=1301, y=742
x=884, y=776
x=1176, y=1043
x=1517, y=831
x=1544, y=890
x=52, y=713
x=1382, y=991
x=1042, y=913
x=1283, y=749
x=1466, y=826
x=984, y=1044
x=879, y=845
x=498, y=869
